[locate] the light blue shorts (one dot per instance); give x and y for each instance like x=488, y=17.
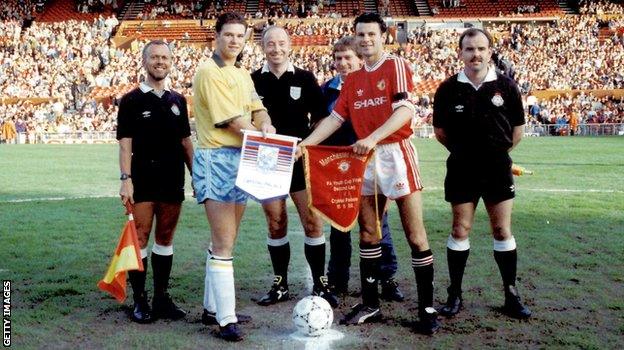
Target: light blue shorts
x=214, y=175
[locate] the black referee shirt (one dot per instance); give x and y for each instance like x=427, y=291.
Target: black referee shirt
x=156, y=125
x=294, y=101
x=478, y=121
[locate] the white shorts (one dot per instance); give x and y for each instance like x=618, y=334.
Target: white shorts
x=396, y=167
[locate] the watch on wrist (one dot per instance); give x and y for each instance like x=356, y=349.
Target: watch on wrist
x=124, y=176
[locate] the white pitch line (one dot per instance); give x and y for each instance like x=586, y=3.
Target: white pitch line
x=555, y=190
x=188, y=195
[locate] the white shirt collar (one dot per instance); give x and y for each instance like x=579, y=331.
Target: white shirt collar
x=376, y=64
x=265, y=68
x=490, y=76
x=146, y=88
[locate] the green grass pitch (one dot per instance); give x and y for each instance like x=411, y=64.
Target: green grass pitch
x=60, y=219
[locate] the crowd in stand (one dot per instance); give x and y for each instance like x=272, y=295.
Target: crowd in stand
x=65, y=61
x=600, y=7
x=11, y=10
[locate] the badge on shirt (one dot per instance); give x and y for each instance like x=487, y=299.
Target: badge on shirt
x=381, y=85
x=497, y=100
x=175, y=109
x=295, y=92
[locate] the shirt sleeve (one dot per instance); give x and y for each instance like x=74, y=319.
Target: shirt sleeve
x=185, y=128
x=440, y=113
x=217, y=96
x=125, y=120
x=315, y=99
x=516, y=115
x=402, y=85
x=256, y=102
x=341, y=108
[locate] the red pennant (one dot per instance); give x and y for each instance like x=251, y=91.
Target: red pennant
x=334, y=176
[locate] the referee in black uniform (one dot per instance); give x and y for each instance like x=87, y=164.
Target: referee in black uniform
x=478, y=117
x=154, y=145
x=294, y=101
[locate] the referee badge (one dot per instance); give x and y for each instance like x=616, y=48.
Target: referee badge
x=295, y=92
x=497, y=100
x=175, y=109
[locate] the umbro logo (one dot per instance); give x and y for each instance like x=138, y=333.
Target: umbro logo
x=147, y=114
x=370, y=280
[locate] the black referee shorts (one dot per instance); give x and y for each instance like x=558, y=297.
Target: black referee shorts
x=489, y=178
x=156, y=181
x=298, y=177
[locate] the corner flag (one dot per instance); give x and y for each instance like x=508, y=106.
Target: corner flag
x=127, y=257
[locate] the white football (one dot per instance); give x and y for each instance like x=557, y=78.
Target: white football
x=313, y=316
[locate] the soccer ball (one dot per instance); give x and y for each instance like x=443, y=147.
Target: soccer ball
x=313, y=316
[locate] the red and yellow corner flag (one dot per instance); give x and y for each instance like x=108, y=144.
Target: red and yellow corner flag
x=334, y=181
x=127, y=257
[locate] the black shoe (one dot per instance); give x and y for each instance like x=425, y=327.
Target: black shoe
x=164, y=307
x=340, y=289
x=513, y=304
x=210, y=318
x=277, y=294
x=390, y=290
x=322, y=290
x=142, y=312
x=454, y=303
x=361, y=313
x=230, y=332
x=428, y=322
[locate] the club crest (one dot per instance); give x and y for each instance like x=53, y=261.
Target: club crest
x=381, y=85
x=344, y=166
x=497, y=100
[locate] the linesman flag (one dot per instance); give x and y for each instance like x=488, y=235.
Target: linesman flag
x=334, y=177
x=127, y=257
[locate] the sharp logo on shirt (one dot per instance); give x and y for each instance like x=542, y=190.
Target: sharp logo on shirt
x=360, y=92
x=147, y=114
x=295, y=92
x=459, y=108
x=381, y=85
x=175, y=109
x=497, y=100
x=370, y=102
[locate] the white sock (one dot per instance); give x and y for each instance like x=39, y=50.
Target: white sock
x=504, y=246
x=209, y=302
x=221, y=272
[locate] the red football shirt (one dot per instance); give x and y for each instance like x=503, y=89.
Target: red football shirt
x=370, y=95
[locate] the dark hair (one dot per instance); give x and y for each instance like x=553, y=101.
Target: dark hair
x=345, y=43
x=152, y=43
x=370, y=17
x=472, y=32
x=229, y=18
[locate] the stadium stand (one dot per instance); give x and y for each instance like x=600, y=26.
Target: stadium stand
x=64, y=73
